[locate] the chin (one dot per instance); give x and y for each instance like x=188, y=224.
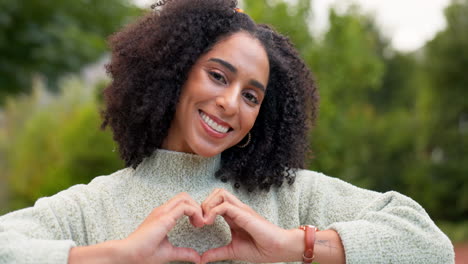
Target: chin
x=208, y=152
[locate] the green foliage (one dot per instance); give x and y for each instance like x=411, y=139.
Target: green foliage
x=53, y=142
x=347, y=63
x=50, y=38
x=443, y=106
x=387, y=120
x=457, y=231
x=289, y=19
x=348, y=68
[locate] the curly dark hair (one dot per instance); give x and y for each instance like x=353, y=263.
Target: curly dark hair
x=150, y=63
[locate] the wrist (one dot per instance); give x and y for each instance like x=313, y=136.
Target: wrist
x=309, y=241
x=107, y=252
x=328, y=247
x=294, y=245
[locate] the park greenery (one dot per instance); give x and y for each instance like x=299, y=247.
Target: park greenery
x=388, y=120
x=54, y=38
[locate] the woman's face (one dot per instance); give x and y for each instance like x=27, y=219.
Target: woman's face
x=221, y=97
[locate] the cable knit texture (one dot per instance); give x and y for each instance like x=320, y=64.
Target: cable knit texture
x=374, y=227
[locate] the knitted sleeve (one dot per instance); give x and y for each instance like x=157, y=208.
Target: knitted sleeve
x=45, y=232
x=79, y=216
x=374, y=227
x=34, y=235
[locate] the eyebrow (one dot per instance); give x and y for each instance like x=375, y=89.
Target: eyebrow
x=226, y=64
x=258, y=85
x=233, y=69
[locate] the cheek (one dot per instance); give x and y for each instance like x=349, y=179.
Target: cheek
x=248, y=118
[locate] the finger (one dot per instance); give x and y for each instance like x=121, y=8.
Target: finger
x=212, y=200
x=231, y=198
x=230, y=222
x=237, y=218
x=181, y=209
x=224, y=209
x=218, y=254
x=216, y=198
x=196, y=219
x=180, y=198
x=220, y=195
x=185, y=254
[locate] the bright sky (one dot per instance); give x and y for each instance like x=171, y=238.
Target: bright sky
x=408, y=23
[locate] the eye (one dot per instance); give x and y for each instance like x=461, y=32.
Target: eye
x=251, y=97
x=217, y=77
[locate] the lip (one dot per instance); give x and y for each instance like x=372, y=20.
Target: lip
x=211, y=131
x=217, y=120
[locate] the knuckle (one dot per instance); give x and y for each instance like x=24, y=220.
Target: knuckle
x=246, y=207
x=184, y=198
x=157, y=210
x=218, y=190
x=167, y=222
x=215, y=210
x=184, y=195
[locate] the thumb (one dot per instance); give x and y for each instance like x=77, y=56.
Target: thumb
x=185, y=254
x=218, y=254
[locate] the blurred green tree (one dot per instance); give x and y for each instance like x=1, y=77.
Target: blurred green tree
x=387, y=121
x=51, y=142
x=50, y=38
x=348, y=68
x=363, y=128
x=288, y=18
x=443, y=110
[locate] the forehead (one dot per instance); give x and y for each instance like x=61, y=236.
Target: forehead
x=244, y=52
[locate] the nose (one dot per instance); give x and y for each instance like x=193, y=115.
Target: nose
x=228, y=100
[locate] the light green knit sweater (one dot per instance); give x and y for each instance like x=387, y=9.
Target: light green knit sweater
x=374, y=227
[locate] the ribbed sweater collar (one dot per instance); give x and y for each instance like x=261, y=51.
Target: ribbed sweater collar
x=165, y=166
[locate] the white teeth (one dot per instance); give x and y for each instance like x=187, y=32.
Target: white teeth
x=211, y=123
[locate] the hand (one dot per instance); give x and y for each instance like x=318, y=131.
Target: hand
x=254, y=239
x=149, y=242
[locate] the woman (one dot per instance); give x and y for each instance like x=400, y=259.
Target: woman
x=210, y=111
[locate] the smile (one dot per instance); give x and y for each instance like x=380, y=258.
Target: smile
x=213, y=124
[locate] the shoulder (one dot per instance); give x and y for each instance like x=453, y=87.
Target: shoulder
x=332, y=192
x=317, y=180
x=83, y=193
x=331, y=186
x=324, y=197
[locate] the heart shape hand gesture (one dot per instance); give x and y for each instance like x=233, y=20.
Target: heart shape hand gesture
x=254, y=239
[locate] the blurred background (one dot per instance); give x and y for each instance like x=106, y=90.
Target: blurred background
x=394, y=95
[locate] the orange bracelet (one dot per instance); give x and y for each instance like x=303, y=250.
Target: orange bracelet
x=309, y=240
